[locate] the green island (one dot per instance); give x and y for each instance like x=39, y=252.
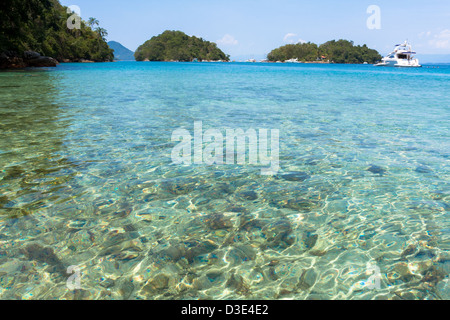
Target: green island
x=32, y=31
x=341, y=51
x=178, y=46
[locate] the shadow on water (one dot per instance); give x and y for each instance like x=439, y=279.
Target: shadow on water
x=32, y=131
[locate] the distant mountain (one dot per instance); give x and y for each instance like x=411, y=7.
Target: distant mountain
x=120, y=52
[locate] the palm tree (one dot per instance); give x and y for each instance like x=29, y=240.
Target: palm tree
x=102, y=32
x=93, y=22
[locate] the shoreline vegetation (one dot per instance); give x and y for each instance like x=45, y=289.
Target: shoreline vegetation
x=341, y=51
x=35, y=34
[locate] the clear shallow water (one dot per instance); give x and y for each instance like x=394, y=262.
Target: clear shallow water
x=86, y=179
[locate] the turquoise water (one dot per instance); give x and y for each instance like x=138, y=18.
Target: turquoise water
x=87, y=180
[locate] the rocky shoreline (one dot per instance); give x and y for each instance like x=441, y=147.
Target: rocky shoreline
x=13, y=60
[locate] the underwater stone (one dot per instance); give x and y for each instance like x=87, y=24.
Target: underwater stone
x=237, y=283
x=409, y=251
x=377, y=170
x=199, y=249
x=173, y=253
x=403, y=270
x=3, y=200
x=434, y=275
x=241, y=253
x=307, y=279
x=278, y=234
x=126, y=289
x=220, y=191
x=277, y=229
x=13, y=173
x=310, y=240
x=218, y=221
x=107, y=283
x=157, y=284
x=294, y=204
x=179, y=186
x=296, y=176
x=423, y=169
x=248, y=195
x=44, y=255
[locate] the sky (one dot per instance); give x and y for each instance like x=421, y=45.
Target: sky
x=252, y=28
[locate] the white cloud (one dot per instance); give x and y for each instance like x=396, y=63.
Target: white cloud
x=227, y=40
x=424, y=34
x=441, y=40
x=288, y=38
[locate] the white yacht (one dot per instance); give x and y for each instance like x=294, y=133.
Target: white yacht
x=402, y=56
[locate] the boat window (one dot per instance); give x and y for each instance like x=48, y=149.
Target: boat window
x=402, y=56
x=391, y=56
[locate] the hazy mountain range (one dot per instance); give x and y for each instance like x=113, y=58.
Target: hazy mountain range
x=121, y=53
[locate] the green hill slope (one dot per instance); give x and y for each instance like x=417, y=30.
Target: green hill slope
x=177, y=46
x=41, y=26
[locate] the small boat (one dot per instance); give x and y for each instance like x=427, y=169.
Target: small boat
x=402, y=56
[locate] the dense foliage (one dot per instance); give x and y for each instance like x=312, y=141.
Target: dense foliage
x=177, y=46
x=341, y=51
x=41, y=26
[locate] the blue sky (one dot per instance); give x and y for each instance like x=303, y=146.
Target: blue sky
x=249, y=28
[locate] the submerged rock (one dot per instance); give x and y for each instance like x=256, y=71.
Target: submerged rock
x=180, y=186
x=409, y=251
x=278, y=234
x=423, y=169
x=295, y=176
x=307, y=279
x=241, y=253
x=248, y=195
x=310, y=240
x=157, y=284
x=218, y=221
x=377, y=170
x=3, y=200
x=199, y=248
x=14, y=173
x=44, y=255
x=126, y=289
x=294, y=204
x=237, y=283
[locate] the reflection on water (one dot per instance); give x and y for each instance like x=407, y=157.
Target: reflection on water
x=86, y=180
x=35, y=173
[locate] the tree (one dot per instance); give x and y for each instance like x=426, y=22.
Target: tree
x=93, y=22
x=101, y=32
